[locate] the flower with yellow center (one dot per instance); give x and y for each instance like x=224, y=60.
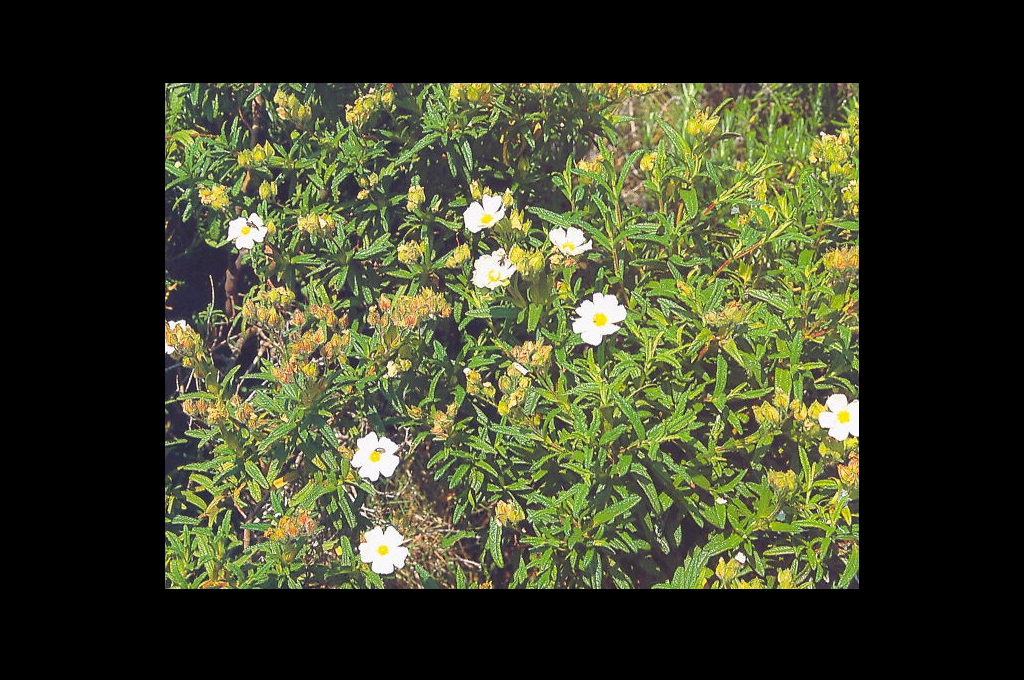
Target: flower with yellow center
x=491, y=271
x=375, y=456
x=597, y=318
x=841, y=418
x=246, y=232
x=484, y=214
x=383, y=549
x=569, y=241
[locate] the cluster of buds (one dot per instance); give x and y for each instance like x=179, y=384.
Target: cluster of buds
x=317, y=225
x=477, y=93
x=215, y=196
x=851, y=194
x=210, y=412
x=785, y=483
x=727, y=572
x=701, y=124
x=593, y=166
x=267, y=189
x=410, y=252
x=766, y=413
x=396, y=368
x=257, y=154
x=182, y=342
x=514, y=384
x=290, y=527
x=728, y=317
x=618, y=91
x=408, y=311
x=517, y=220
x=366, y=182
x=415, y=197
x=543, y=89
x=444, y=421
x=535, y=356
x=478, y=191
x=290, y=108
x=363, y=110
x=648, y=161
x=843, y=263
x=849, y=474
x=508, y=513
x=457, y=256
x=475, y=384
x=267, y=306
x=833, y=151
x=528, y=263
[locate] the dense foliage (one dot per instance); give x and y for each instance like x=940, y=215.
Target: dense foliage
x=544, y=335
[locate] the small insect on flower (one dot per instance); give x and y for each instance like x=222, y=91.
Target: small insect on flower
x=246, y=232
x=375, y=456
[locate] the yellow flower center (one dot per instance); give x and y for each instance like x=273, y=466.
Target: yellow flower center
x=494, y=275
x=382, y=550
x=600, y=319
x=375, y=455
x=246, y=230
x=486, y=219
x=568, y=246
x=843, y=416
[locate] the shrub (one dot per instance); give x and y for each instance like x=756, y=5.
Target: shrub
x=546, y=335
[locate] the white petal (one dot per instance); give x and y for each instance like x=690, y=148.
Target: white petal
x=591, y=337
x=492, y=204
x=827, y=419
x=255, y=219
x=388, y=464
x=375, y=536
x=582, y=325
x=382, y=565
x=557, y=236
x=370, y=471
x=836, y=402
x=840, y=431
x=367, y=443
x=389, y=446
x=392, y=537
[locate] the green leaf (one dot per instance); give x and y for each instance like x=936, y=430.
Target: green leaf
x=551, y=217
x=494, y=542
x=690, y=200
x=255, y=474
x=614, y=510
x=278, y=432
x=634, y=418
x=852, y=567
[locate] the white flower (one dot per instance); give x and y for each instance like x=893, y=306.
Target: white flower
x=569, y=241
x=171, y=325
x=519, y=367
x=375, y=457
x=597, y=318
x=842, y=419
x=741, y=558
x=491, y=271
x=484, y=216
x=246, y=232
x=382, y=550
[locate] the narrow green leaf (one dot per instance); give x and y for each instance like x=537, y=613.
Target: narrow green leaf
x=615, y=509
x=631, y=414
x=255, y=474
x=494, y=542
